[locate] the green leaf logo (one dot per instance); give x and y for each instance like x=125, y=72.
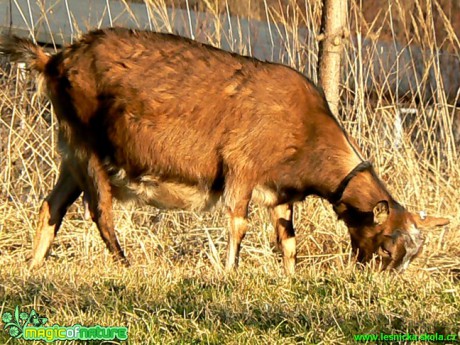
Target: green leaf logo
x=14, y=323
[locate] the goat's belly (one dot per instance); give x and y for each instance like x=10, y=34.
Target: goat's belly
x=150, y=190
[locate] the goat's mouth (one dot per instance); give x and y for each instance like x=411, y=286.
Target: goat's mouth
x=413, y=248
x=383, y=263
x=398, y=264
x=380, y=263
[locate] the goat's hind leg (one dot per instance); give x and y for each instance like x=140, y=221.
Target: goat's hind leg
x=100, y=206
x=53, y=209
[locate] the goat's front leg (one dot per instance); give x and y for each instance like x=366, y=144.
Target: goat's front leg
x=52, y=211
x=285, y=235
x=237, y=202
x=100, y=205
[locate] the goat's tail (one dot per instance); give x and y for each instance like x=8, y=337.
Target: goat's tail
x=24, y=50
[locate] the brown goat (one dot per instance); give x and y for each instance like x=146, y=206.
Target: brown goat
x=176, y=124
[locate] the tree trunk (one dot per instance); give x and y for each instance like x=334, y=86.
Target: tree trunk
x=331, y=48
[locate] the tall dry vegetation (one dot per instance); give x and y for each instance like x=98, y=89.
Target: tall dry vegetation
x=176, y=288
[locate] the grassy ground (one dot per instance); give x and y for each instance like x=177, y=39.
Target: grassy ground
x=168, y=300
x=176, y=290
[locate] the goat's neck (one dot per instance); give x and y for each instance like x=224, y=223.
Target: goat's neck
x=360, y=197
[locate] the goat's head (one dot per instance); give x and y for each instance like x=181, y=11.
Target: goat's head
x=390, y=235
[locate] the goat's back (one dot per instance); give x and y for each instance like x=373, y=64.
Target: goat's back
x=152, y=101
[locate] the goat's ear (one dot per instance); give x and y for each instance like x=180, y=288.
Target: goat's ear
x=381, y=212
x=423, y=221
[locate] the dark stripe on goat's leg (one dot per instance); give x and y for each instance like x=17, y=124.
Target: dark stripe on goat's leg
x=285, y=235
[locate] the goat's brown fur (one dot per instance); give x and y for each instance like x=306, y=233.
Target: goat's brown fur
x=173, y=123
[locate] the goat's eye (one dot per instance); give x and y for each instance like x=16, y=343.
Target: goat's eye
x=385, y=252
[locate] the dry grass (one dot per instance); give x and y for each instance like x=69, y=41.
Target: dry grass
x=176, y=291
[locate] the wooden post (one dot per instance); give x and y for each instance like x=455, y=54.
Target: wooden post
x=331, y=49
